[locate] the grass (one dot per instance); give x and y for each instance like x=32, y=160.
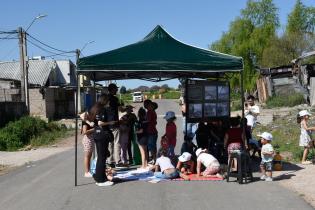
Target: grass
x=285, y=101
x=286, y=135
x=50, y=137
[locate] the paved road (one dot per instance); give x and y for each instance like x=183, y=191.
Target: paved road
x=49, y=185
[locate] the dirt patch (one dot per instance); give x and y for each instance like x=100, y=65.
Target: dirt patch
x=300, y=180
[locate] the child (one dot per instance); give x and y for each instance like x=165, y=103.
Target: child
x=124, y=131
x=267, y=153
x=87, y=141
x=167, y=170
x=305, y=137
x=142, y=137
x=185, y=164
x=132, y=119
x=211, y=163
x=170, y=132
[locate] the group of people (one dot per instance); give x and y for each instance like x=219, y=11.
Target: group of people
x=112, y=135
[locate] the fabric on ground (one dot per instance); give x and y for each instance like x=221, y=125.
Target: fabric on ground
x=193, y=177
x=141, y=175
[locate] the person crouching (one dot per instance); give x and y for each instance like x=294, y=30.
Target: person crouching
x=211, y=163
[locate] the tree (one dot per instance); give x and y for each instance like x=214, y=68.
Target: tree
x=123, y=90
x=301, y=19
x=248, y=35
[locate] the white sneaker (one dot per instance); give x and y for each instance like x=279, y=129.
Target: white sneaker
x=263, y=177
x=104, y=184
x=268, y=179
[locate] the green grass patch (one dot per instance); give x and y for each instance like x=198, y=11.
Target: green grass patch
x=285, y=101
x=171, y=95
x=49, y=137
x=286, y=135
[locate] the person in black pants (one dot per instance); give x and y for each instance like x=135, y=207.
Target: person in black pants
x=102, y=135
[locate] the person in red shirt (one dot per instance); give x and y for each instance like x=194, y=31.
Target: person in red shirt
x=234, y=137
x=170, y=132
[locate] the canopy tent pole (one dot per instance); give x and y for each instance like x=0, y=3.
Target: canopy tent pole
x=185, y=101
x=243, y=99
x=76, y=133
x=76, y=121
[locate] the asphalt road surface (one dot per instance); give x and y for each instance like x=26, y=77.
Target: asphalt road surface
x=49, y=185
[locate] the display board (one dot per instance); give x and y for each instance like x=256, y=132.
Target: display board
x=207, y=100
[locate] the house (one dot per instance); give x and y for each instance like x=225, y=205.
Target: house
x=51, y=87
x=285, y=81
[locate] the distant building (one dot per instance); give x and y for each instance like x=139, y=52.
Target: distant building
x=51, y=87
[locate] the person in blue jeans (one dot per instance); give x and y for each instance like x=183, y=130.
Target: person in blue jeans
x=164, y=168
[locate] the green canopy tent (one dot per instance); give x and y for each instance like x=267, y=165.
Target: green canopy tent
x=157, y=57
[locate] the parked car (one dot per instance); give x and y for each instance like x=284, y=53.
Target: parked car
x=137, y=97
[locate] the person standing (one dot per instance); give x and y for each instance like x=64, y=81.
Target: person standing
x=251, y=111
x=151, y=130
x=170, y=132
x=305, y=136
x=114, y=107
x=267, y=153
x=102, y=136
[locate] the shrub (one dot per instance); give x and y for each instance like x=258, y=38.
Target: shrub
x=287, y=101
x=19, y=133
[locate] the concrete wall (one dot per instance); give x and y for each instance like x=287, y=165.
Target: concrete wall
x=37, y=103
x=10, y=95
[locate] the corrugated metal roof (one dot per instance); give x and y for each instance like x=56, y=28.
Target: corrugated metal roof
x=39, y=71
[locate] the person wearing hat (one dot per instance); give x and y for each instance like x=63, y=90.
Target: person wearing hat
x=185, y=164
x=267, y=153
x=211, y=163
x=170, y=132
x=114, y=107
x=305, y=136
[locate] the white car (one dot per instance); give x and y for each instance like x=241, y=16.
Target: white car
x=137, y=97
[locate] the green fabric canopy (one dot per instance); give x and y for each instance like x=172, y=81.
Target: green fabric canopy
x=158, y=56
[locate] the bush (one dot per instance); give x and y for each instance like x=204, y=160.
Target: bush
x=285, y=101
x=19, y=133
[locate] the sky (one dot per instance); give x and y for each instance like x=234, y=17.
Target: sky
x=102, y=25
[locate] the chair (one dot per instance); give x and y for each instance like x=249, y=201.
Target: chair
x=244, y=169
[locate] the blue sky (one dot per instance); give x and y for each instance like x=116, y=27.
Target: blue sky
x=111, y=24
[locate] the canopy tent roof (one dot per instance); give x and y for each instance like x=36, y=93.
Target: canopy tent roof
x=156, y=57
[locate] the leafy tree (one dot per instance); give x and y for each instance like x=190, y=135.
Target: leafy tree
x=123, y=90
x=248, y=35
x=301, y=19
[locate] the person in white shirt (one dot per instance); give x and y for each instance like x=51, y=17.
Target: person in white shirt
x=211, y=163
x=251, y=111
x=164, y=168
x=267, y=153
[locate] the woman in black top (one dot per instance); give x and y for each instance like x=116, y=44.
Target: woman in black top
x=102, y=135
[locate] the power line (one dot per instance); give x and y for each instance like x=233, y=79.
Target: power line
x=63, y=51
x=52, y=54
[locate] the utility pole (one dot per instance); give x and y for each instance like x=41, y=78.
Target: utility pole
x=26, y=65
x=22, y=69
x=78, y=52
